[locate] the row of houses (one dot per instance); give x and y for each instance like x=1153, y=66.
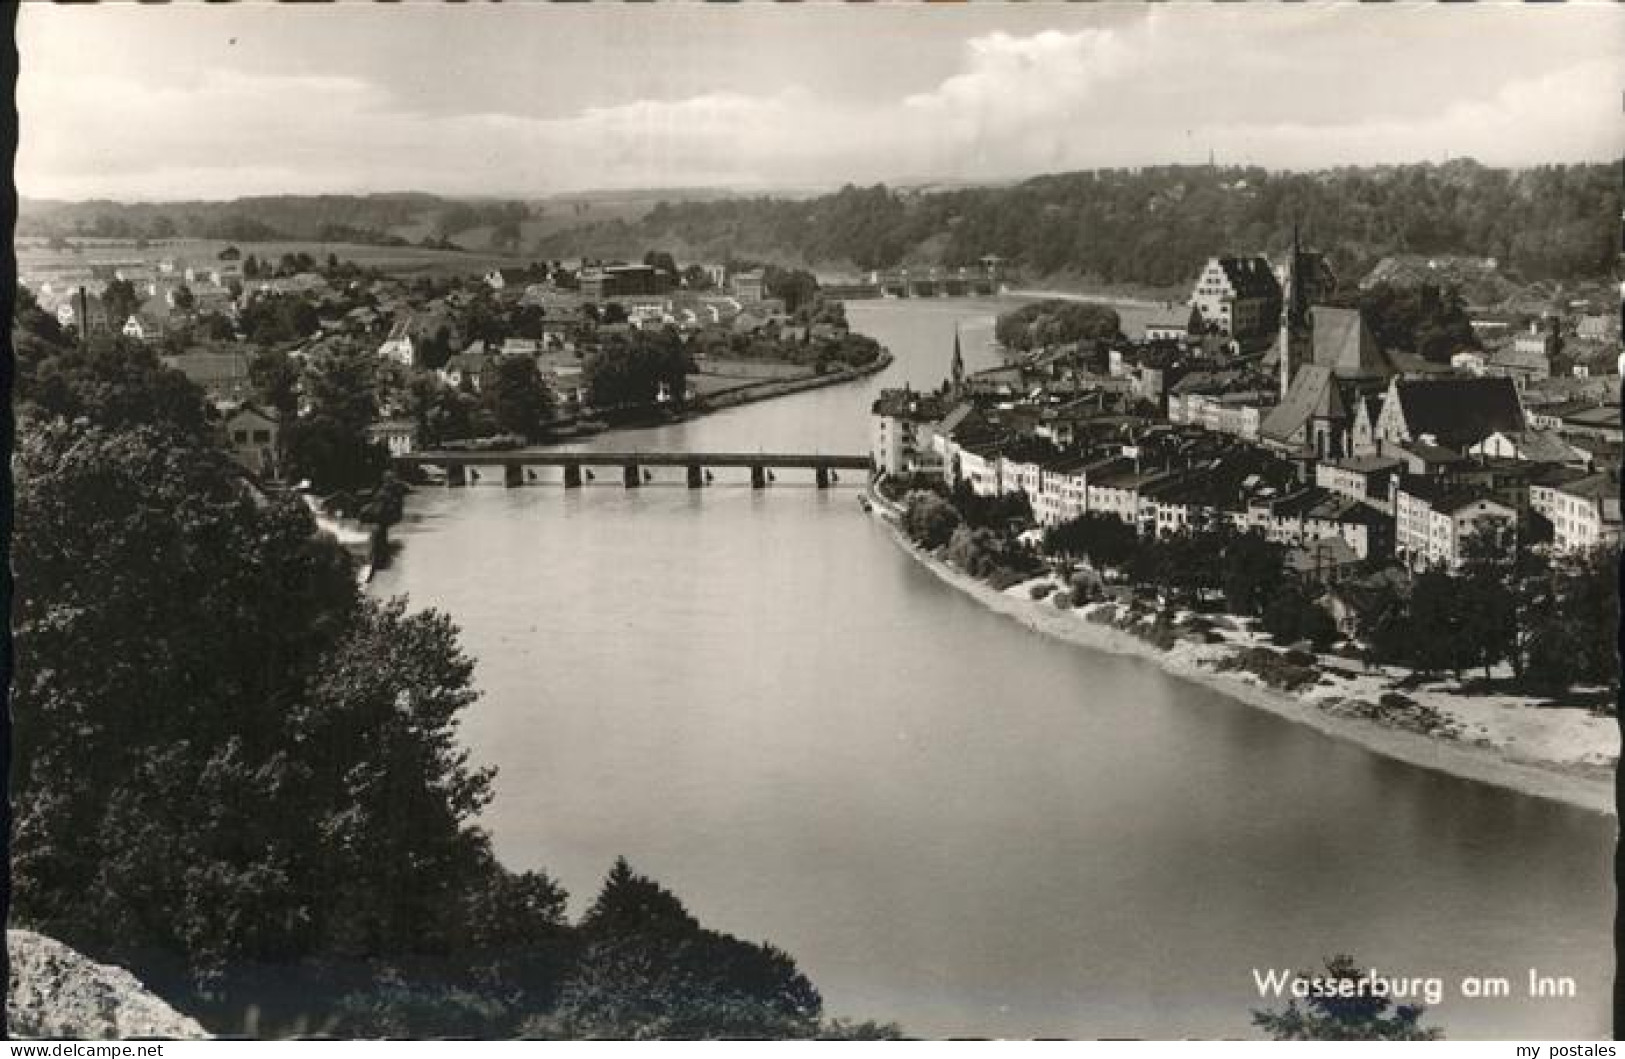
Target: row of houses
x=1358, y=455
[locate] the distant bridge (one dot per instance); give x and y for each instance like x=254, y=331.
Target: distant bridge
x=514, y=464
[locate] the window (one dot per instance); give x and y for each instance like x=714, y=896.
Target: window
x=239, y=436
x=262, y=437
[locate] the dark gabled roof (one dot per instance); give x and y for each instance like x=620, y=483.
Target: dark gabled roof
x=1459, y=411
x=1443, y=497
x=1369, y=464
x=1431, y=453
x=964, y=416
x=1251, y=277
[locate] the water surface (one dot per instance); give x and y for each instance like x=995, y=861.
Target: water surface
x=949, y=820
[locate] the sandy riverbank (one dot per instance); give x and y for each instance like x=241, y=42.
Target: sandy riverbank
x=1564, y=755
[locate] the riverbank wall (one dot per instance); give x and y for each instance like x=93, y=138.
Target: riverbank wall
x=1587, y=787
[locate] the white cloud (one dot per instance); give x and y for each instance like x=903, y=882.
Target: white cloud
x=1160, y=88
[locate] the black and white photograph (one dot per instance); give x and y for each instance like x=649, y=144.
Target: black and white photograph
x=815, y=521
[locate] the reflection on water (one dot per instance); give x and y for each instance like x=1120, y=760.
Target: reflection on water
x=949, y=820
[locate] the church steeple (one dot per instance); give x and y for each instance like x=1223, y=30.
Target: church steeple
x=1296, y=322
x=957, y=371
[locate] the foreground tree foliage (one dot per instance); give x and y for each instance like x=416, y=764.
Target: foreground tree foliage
x=225, y=751
x=649, y=970
x=240, y=776
x=1357, y=1018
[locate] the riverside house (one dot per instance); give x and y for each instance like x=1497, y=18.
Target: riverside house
x=1434, y=519
x=1584, y=512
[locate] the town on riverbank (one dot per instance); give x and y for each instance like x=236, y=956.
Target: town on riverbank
x=1368, y=506
x=320, y=369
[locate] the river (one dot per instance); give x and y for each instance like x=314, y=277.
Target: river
x=948, y=820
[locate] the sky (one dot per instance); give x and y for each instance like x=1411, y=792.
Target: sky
x=166, y=102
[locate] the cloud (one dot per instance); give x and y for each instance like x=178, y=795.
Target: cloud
x=1299, y=90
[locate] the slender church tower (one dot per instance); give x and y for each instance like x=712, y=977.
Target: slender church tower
x=957, y=371
x=1296, y=343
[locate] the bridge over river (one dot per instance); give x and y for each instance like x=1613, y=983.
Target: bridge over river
x=515, y=463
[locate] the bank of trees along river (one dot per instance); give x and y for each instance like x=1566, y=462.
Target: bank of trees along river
x=240, y=777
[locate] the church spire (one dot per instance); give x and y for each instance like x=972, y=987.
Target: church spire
x=958, y=368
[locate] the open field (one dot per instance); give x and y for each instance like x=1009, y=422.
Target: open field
x=34, y=256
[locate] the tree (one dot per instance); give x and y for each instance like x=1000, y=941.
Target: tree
x=1056, y=322
x=1358, y=1017
x=632, y=372
x=121, y=385
x=661, y=261
x=211, y=654
x=1291, y=616
x=1105, y=540
x=1433, y=637
x=520, y=401
x=1488, y=593
x=275, y=377
x=648, y=970
x=185, y=300
x=31, y=319
x=1573, y=635
x=795, y=287
x=1253, y=572
x=329, y=445
x=121, y=300
x=440, y=412
x=928, y=519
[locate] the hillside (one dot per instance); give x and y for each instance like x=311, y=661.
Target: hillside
x=394, y=219
x=1154, y=227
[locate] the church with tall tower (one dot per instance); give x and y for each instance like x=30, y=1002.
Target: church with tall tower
x=1305, y=280
x=1327, y=361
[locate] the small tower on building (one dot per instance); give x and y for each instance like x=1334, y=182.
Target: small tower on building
x=1299, y=287
x=957, y=370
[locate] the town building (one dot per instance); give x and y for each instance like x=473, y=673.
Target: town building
x=903, y=424
x=1455, y=411
x=1363, y=478
x=1240, y=297
x=399, y=436
x=1433, y=519
x=1584, y=512
x=252, y=437
x=143, y=328
x=749, y=286
x=1334, y=365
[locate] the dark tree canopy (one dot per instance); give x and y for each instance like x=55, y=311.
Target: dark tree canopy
x=1056, y=322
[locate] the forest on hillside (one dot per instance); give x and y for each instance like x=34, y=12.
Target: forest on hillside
x=1155, y=226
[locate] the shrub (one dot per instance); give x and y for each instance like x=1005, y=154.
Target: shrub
x=1270, y=667
x=1042, y=589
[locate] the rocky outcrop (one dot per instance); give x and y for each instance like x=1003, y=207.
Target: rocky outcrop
x=56, y=992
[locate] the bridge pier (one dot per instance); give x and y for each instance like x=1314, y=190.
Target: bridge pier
x=758, y=477
x=456, y=475
x=821, y=476
x=696, y=476
x=572, y=476
x=513, y=475
x=632, y=476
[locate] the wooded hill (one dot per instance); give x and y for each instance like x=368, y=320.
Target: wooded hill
x=1156, y=226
